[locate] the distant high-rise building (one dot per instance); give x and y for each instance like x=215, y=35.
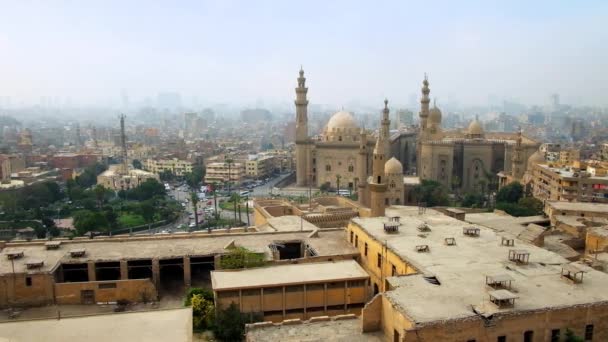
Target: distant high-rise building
x=169, y=100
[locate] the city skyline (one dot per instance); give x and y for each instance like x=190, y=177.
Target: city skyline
x=239, y=52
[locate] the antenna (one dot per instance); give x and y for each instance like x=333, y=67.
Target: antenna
x=123, y=144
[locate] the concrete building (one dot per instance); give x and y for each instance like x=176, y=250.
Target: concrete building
x=441, y=279
x=175, y=166
x=259, y=166
x=225, y=172
x=88, y=271
x=294, y=291
x=113, y=178
x=567, y=183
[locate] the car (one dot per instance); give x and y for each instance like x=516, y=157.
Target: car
x=192, y=225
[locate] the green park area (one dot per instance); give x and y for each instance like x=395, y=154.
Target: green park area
x=93, y=207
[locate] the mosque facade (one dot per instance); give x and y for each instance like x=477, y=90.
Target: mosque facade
x=347, y=157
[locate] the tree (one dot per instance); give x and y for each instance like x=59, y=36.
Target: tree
x=473, y=200
x=431, y=192
x=194, y=199
x=240, y=257
x=229, y=162
x=147, y=190
x=535, y=205
x=230, y=323
x=166, y=175
x=338, y=177
x=510, y=193
x=100, y=193
x=137, y=164
x=89, y=176
x=195, y=178
x=146, y=210
x=86, y=221
x=203, y=310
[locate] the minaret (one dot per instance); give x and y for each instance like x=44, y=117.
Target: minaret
x=301, y=102
x=363, y=194
x=517, y=158
x=424, y=104
x=378, y=184
x=385, y=124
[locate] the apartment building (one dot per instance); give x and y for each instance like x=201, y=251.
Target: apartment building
x=176, y=166
x=225, y=172
x=569, y=183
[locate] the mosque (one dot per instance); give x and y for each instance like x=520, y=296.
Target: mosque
x=349, y=157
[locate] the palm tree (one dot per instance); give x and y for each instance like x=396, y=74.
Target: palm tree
x=100, y=193
x=338, y=183
x=194, y=199
x=229, y=162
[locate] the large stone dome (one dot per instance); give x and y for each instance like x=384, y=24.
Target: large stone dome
x=341, y=120
x=393, y=166
x=475, y=128
x=435, y=115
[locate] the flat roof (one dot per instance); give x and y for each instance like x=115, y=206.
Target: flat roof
x=329, y=242
x=333, y=330
x=149, y=326
x=504, y=222
x=578, y=206
x=287, y=274
x=461, y=270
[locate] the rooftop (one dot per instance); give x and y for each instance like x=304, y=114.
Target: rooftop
x=326, y=330
x=579, y=206
x=570, y=173
x=287, y=274
x=461, y=270
x=328, y=242
x=150, y=326
x=503, y=222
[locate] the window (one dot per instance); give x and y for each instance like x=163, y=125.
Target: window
x=314, y=161
x=502, y=338
x=107, y=286
x=386, y=201
x=472, y=340
x=351, y=168
x=356, y=241
x=589, y=332
x=28, y=281
x=529, y=336
x=396, y=337
x=351, y=237
x=555, y=335
x=365, y=251
x=394, y=271
x=327, y=167
x=379, y=179
x=379, y=263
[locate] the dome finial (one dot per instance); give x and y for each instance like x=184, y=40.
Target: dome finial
x=385, y=103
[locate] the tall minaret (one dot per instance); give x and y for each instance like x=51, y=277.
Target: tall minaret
x=363, y=194
x=424, y=104
x=302, y=169
x=377, y=186
x=385, y=124
x=517, y=158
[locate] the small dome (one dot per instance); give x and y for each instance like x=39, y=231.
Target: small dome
x=475, y=128
x=341, y=120
x=536, y=158
x=393, y=166
x=435, y=115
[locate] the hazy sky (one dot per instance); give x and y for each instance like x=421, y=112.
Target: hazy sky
x=241, y=51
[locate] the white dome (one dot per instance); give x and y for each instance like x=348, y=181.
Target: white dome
x=393, y=166
x=341, y=120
